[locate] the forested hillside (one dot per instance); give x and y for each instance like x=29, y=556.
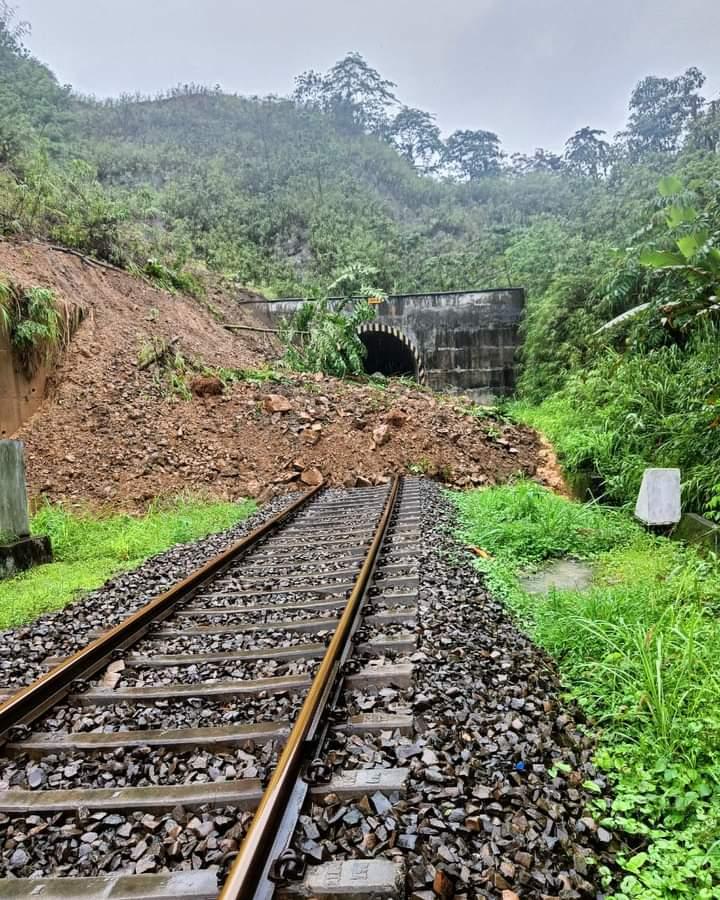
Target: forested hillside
x=282, y=194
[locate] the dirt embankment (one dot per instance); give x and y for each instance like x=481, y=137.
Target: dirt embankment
x=112, y=431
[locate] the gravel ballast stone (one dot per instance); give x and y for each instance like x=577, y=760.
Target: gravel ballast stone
x=497, y=803
x=23, y=650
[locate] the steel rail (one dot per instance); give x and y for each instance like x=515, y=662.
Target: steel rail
x=35, y=699
x=247, y=878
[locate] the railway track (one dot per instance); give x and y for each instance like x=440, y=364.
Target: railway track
x=186, y=751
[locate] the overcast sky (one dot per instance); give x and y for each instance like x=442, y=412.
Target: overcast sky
x=532, y=70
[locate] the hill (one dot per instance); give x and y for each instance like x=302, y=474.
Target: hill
x=283, y=194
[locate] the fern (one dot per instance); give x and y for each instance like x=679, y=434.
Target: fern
x=38, y=325
x=33, y=322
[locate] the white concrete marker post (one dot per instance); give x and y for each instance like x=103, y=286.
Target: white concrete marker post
x=658, y=502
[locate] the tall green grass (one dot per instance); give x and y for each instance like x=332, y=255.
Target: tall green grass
x=652, y=407
x=640, y=651
x=89, y=550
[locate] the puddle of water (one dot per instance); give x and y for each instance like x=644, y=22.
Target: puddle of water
x=565, y=574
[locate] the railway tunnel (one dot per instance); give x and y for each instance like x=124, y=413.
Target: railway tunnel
x=463, y=341
x=390, y=352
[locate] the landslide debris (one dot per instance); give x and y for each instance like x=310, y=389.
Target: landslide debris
x=128, y=445
x=150, y=400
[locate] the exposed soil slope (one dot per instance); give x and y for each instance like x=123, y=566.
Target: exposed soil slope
x=112, y=433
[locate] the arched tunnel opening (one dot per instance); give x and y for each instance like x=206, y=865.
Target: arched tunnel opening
x=387, y=354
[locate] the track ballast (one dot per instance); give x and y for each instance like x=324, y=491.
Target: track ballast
x=140, y=764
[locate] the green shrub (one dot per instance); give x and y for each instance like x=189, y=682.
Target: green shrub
x=173, y=280
x=659, y=407
x=323, y=336
x=33, y=321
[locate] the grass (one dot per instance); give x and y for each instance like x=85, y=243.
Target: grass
x=90, y=550
x=639, y=651
x=258, y=377
x=659, y=407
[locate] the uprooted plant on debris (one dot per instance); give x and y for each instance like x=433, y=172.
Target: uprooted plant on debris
x=323, y=335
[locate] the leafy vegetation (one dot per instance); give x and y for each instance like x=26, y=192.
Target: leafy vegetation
x=638, y=651
x=252, y=376
x=33, y=322
x=693, y=263
x=172, y=280
x=638, y=409
x=284, y=194
x=323, y=336
x=643, y=390
x=89, y=550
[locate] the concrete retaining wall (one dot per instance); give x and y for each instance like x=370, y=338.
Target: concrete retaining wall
x=20, y=396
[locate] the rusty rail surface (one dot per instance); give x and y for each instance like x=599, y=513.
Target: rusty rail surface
x=248, y=878
x=32, y=701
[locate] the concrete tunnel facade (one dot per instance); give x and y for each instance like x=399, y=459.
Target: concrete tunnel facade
x=463, y=341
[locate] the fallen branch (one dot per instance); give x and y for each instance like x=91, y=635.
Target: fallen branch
x=85, y=258
x=261, y=330
x=91, y=261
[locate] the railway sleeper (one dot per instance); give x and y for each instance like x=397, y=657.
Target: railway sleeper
x=389, y=599
x=162, y=661
x=210, y=738
x=298, y=625
x=273, y=566
x=370, y=678
x=347, y=880
x=395, y=587
x=347, y=555
x=338, y=588
x=244, y=794
x=374, y=647
x=197, y=885
x=290, y=578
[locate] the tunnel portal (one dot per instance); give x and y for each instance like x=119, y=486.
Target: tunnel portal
x=390, y=352
x=461, y=341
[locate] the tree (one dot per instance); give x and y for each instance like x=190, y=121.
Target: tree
x=661, y=111
x=540, y=161
x=12, y=31
x=473, y=154
x=323, y=335
x=352, y=91
x=309, y=89
x=587, y=153
x=704, y=133
x=688, y=254
x=416, y=137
